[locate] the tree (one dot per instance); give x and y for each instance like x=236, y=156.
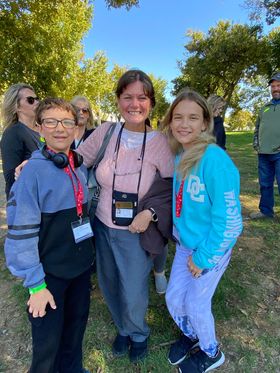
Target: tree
x=240, y=121
x=219, y=61
x=41, y=41
x=119, y=3
x=270, y=8
x=162, y=104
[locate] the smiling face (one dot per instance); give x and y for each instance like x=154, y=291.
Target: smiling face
x=134, y=106
x=58, y=139
x=187, y=122
x=275, y=89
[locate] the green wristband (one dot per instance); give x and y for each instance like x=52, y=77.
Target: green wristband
x=38, y=288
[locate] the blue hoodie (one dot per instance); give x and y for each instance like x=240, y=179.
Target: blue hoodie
x=210, y=219
x=40, y=209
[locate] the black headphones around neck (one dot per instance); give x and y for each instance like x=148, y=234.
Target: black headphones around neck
x=60, y=159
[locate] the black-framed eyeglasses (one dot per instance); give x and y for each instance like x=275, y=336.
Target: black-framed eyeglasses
x=53, y=123
x=31, y=99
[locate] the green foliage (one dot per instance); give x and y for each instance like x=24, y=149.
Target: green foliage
x=240, y=120
x=40, y=42
x=218, y=61
x=272, y=59
x=162, y=104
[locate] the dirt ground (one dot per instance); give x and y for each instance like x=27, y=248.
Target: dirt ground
x=13, y=356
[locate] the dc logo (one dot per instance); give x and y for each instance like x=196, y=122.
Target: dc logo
x=194, y=188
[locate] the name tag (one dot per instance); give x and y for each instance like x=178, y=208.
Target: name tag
x=81, y=229
x=124, y=213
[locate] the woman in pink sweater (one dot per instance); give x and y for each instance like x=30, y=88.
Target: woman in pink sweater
x=133, y=156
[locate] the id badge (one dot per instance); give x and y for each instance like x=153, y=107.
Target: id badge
x=124, y=210
x=81, y=229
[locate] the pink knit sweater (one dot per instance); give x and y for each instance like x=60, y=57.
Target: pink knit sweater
x=157, y=156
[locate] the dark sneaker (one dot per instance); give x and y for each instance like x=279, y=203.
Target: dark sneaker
x=138, y=351
x=180, y=349
x=200, y=362
x=259, y=215
x=120, y=345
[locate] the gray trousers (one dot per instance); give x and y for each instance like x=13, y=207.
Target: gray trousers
x=123, y=270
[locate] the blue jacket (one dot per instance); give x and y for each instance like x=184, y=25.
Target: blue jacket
x=210, y=219
x=40, y=209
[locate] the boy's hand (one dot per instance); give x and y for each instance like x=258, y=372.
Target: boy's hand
x=195, y=271
x=38, y=302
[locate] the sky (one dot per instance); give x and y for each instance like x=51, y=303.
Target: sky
x=152, y=36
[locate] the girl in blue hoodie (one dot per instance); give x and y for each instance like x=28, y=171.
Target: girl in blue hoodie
x=207, y=221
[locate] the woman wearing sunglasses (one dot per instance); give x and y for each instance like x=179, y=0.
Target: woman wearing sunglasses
x=20, y=137
x=85, y=120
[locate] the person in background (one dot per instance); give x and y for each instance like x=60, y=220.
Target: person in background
x=20, y=137
x=217, y=104
x=134, y=156
x=159, y=260
x=48, y=244
x=207, y=221
x=267, y=144
x=85, y=119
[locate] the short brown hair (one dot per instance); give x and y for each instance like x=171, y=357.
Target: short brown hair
x=132, y=76
x=53, y=103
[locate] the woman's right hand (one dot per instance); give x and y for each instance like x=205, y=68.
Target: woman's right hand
x=19, y=168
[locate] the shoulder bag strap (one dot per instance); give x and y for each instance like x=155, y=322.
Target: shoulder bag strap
x=101, y=152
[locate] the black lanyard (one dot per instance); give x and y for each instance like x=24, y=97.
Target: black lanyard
x=117, y=148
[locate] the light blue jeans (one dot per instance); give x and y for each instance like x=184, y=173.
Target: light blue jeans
x=123, y=270
x=189, y=299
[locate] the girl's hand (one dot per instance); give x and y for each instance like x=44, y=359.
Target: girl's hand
x=195, y=271
x=38, y=302
x=141, y=222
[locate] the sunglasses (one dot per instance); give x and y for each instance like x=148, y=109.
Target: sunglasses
x=31, y=99
x=83, y=110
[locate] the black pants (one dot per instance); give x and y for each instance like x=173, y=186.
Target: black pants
x=57, y=337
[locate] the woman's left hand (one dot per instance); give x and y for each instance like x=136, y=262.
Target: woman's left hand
x=141, y=222
x=195, y=271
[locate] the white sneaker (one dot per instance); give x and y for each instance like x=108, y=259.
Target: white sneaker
x=161, y=282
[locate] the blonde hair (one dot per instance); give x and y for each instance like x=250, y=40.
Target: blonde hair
x=10, y=103
x=190, y=159
x=74, y=101
x=215, y=101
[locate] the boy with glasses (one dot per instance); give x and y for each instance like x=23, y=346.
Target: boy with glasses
x=48, y=244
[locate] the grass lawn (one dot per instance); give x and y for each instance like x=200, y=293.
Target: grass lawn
x=246, y=304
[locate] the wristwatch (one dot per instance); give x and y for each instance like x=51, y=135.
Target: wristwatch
x=154, y=214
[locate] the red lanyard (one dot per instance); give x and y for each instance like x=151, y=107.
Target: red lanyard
x=179, y=199
x=78, y=193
